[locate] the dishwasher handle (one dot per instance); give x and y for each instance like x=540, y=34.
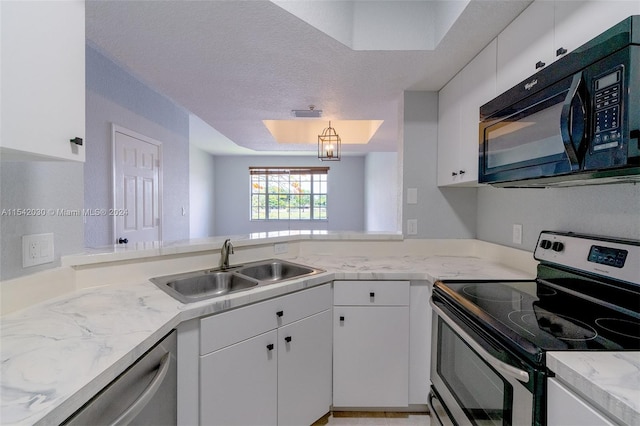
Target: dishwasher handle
x=139, y=404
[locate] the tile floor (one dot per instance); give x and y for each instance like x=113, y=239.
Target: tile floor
x=374, y=419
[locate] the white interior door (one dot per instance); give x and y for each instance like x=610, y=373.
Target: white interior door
x=137, y=187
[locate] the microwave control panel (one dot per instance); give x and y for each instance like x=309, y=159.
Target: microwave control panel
x=607, y=132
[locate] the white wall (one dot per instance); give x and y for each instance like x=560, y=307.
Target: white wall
x=441, y=212
x=201, y=193
x=381, y=192
x=345, y=205
x=115, y=96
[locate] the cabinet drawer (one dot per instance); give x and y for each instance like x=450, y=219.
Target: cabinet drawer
x=304, y=303
x=231, y=327
x=371, y=293
x=227, y=328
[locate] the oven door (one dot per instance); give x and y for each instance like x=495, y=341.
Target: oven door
x=473, y=385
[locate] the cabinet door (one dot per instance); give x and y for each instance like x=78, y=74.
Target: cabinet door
x=370, y=356
x=525, y=42
x=304, y=370
x=478, y=87
x=564, y=408
x=578, y=22
x=449, y=131
x=238, y=384
x=43, y=80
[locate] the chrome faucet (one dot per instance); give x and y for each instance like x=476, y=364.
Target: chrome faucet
x=227, y=249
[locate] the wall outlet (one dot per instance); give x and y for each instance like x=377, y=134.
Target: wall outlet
x=37, y=249
x=517, y=233
x=280, y=248
x=412, y=227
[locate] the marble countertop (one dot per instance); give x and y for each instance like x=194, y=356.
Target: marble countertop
x=57, y=354
x=610, y=381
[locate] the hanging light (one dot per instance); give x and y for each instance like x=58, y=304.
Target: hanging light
x=329, y=145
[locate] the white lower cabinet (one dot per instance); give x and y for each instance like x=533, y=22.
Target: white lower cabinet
x=371, y=344
x=304, y=370
x=268, y=363
x=239, y=384
x=565, y=408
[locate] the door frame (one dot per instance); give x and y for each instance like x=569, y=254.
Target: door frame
x=119, y=129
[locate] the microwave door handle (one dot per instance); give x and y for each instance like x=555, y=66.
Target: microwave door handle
x=566, y=121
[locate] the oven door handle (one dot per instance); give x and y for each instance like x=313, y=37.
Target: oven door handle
x=499, y=365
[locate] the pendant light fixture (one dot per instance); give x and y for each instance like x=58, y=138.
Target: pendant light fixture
x=329, y=145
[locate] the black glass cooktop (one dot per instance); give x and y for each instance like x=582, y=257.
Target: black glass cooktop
x=539, y=316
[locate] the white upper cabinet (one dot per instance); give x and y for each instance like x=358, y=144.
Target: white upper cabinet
x=43, y=80
x=579, y=22
x=449, y=99
x=458, y=108
x=526, y=45
x=548, y=30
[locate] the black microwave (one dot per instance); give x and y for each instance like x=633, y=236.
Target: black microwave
x=575, y=122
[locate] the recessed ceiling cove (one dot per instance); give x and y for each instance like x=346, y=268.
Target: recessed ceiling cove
x=307, y=131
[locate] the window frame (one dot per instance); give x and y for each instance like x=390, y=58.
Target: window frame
x=317, y=198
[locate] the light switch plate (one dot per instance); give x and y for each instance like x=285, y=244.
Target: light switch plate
x=37, y=249
x=412, y=195
x=517, y=233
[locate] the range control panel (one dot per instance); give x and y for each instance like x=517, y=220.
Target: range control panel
x=614, y=258
x=608, y=256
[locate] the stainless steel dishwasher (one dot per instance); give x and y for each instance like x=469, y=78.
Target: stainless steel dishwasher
x=145, y=394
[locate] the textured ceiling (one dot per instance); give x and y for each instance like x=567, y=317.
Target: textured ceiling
x=235, y=63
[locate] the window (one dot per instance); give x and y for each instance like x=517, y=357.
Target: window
x=295, y=193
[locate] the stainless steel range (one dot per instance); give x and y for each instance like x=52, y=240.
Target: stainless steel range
x=490, y=337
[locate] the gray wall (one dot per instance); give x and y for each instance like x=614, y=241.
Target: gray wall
x=381, y=192
x=611, y=210
x=441, y=212
x=201, y=193
x=39, y=185
x=115, y=96
x=232, y=207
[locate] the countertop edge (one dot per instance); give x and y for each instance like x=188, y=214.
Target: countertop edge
x=602, y=379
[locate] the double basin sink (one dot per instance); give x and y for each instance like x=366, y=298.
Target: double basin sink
x=200, y=285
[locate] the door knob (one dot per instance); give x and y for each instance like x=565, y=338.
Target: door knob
x=122, y=241
x=288, y=339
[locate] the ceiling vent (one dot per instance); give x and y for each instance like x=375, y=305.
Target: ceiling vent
x=312, y=112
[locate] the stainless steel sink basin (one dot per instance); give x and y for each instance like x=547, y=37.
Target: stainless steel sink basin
x=275, y=270
x=206, y=284
x=201, y=285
